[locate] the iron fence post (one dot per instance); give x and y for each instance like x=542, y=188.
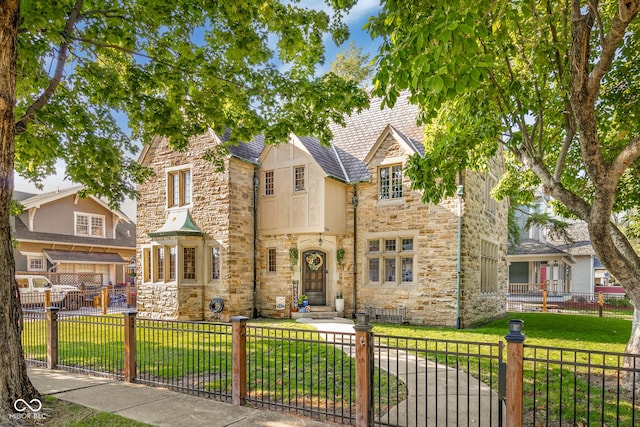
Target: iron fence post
x=130, y=345
x=515, y=355
x=52, y=337
x=364, y=370
x=239, y=359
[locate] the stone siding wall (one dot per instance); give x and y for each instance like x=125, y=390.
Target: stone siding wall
x=479, y=225
x=223, y=210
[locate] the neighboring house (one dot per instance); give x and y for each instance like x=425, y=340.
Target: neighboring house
x=561, y=265
x=59, y=233
x=301, y=218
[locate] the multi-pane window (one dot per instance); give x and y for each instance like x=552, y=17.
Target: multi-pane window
x=189, y=263
x=390, y=260
x=390, y=182
x=271, y=260
x=89, y=225
x=298, y=178
x=215, y=263
x=488, y=266
x=489, y=202
x=36, y=263
x=160, y=263
x=179, y=188
x=172, y=263
x=269, y=183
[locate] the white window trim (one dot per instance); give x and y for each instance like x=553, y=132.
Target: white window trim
x=90, y=217
x=390, y=166
x=33, y=257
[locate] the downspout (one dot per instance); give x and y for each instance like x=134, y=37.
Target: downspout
x=256, y=183
x=354, y=202
x=459, y=193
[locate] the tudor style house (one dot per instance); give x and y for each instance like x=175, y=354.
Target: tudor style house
x=60, y=234
x=303, y=219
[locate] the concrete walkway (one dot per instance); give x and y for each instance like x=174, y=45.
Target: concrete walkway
x=156, y=406
x=437, y=395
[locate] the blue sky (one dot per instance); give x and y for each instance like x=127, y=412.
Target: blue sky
x=356, y=19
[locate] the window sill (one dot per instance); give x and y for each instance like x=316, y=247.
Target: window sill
x=390, y=202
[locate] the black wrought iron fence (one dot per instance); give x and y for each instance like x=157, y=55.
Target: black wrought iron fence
x=190, y=357
x=91, y=344
x=579, y=387
x=440, y=383
x=34, y=337
x=307, y=373
x=347, y=378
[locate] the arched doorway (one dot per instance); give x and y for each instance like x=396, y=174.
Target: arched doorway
x=314, y=276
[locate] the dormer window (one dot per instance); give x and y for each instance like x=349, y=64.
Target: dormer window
x=390, y=182
x=89, y=225
x=178, y=188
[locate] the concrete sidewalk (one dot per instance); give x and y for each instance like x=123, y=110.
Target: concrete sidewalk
x=156, y=406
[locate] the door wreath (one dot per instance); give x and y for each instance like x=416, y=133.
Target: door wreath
x=314, y=261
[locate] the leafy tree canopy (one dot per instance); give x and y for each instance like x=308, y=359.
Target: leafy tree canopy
x=553, y=85
x=172, y=68
x=354, y=65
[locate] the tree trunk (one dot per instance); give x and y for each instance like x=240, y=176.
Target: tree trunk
x=631, y=379
x=14, y=382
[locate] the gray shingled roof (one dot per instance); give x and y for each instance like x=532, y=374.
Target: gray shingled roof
x=249, y=150
x=125, y=236
x=326, y=158
x=362, y=130
x=351, y=144
x=534, y=247
x=57, y=256
x=579, y=240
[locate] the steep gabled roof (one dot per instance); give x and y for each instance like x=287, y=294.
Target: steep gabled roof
x=31, y=201
x=361, y=131
x=409, y=146
x=326, y=157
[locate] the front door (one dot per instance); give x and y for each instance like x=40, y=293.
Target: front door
x=314, y=277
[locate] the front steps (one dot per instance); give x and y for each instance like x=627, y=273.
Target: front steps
x=317, y=312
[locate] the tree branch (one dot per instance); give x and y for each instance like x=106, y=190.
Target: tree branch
x=623, y=160
x=627, y=11
x=45, y=97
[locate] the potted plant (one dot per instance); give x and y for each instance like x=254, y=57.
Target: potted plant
x=339, y=302
x=303, y=301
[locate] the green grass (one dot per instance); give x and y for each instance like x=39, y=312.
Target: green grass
x=286, y=365
x=290, y=365
x=60, y=413
x=556, y=373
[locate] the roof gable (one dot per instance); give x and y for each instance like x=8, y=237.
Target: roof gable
x=404, y=141
x=37, y=200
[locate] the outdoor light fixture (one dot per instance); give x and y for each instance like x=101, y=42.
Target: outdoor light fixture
x=320, y=239
x=515, y=331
